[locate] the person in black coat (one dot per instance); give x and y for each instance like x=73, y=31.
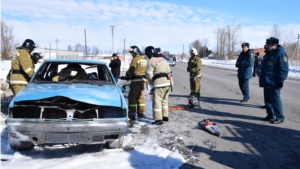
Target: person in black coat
x=245, y=64
x=115, y=65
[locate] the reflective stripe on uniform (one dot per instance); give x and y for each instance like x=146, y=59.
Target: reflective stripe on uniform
x=157, y=110
x=18, y=54
x=134, y=105
x=142, y=62
x=149, y=72
x=18, y=82
x=165, y=107
x=162, y=85
x=28, y=70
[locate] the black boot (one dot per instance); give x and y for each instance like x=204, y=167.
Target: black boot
x=158, y=122
x=165, y=118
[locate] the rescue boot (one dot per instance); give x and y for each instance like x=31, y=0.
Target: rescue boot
x=157, y=122
x=140, y=115
x=165, y=118
x=131, y=117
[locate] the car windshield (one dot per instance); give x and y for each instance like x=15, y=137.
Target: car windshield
x=71, y=73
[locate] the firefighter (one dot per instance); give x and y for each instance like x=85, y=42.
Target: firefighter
x=159, y=76
x=136, y=73
x=22, y=66
x=194, y=68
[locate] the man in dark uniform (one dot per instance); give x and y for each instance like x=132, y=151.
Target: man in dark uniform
x=245, y=64
x=255, y=68
x=115, y=65
x=274, y=71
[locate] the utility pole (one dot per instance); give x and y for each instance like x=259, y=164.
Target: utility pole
x=112, y=36
x=56, y=46
x=124, y=51
x=182, y=52
x=85, y=45
x=296, y=48
x=50, y=52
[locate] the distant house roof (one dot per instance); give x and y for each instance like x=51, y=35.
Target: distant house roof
x=260, y=50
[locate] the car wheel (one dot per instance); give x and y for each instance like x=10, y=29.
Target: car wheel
x=117, y=143
x=18, y=145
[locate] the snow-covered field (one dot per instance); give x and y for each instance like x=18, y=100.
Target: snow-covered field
x=145, y=155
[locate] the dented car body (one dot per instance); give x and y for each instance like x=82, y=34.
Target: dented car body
x=77, y=111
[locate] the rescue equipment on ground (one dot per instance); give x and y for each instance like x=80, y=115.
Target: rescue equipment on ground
x=210, y=126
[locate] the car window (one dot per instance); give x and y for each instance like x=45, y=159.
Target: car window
x=68, y=72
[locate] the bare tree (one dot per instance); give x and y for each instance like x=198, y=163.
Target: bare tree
x=221, y=41
x=166, y=53
x=232, y=31
x=69, y=48
x=7, y=41
x=276, y=31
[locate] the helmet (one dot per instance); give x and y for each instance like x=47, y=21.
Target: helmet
x=194, y=51
x=134, y=50
x=28, y=44
x=272, y=41
x=36, y=57
x=150, y=51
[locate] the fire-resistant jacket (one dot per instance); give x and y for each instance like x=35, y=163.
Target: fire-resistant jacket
x=194, y=66
x=274, y=68
x=137, y=69
x=158, y=66
x=23, y=64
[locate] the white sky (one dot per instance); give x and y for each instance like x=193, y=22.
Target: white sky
x=165, y=24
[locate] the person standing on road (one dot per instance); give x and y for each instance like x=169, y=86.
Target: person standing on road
x=22, y=66
x=245, y=64
x=275, y=69
x=137, y=74
x=159, y=76
x=115, y=65
x=255, y=64
x=259, y=60
x=194, y=68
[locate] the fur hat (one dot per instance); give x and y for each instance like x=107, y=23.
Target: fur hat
x=272, y=41
x=245, y=44
x=114, y=55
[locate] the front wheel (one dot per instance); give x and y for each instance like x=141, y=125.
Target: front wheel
x=18, y=145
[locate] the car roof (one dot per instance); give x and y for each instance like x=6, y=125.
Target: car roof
x=79, y=61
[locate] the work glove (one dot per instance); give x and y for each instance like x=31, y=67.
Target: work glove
x=280, y=84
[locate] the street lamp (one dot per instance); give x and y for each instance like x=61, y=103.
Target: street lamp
x=112, y=36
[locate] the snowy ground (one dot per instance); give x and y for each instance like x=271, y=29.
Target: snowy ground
x=146, y=154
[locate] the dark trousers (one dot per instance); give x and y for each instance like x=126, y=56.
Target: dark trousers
x=244, y=86
x=273, y=103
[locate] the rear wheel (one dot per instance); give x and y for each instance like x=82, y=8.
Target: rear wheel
x=18, y=145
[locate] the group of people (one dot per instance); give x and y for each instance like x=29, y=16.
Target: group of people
x=274, y=70
x=156, y=71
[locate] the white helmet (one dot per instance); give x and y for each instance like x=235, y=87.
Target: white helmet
x=194, y=51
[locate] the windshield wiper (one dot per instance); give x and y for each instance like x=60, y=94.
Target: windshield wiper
x=44, y=81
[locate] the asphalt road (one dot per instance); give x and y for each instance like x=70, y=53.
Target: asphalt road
x=245, y=140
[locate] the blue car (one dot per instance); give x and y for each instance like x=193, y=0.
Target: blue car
x=59, y=106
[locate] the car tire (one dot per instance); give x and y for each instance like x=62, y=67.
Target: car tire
x=117, y=143
x=20, y=145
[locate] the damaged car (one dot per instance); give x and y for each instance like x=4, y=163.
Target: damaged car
x=68, y=102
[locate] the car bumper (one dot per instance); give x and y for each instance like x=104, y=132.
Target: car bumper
x=90, y=132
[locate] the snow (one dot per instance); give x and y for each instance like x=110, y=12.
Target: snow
x=148, y=155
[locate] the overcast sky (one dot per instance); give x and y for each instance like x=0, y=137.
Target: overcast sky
x=168, y=24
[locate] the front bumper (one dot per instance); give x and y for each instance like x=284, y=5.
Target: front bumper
x=52, y=132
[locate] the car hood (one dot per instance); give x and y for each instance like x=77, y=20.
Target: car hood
x=106, y=95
